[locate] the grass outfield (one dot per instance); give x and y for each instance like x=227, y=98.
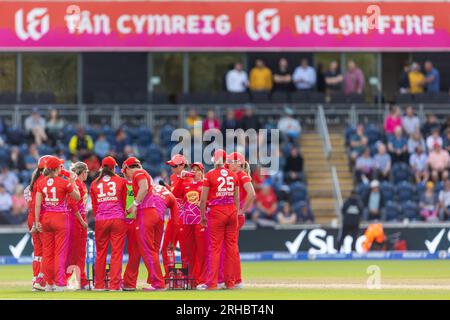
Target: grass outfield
x=279, y=280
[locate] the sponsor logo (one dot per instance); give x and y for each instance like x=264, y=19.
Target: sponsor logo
x=106, y=178
x=224, y=172
x=34, y=25
x=265, y=26
x=50, y=182
x=193, y=197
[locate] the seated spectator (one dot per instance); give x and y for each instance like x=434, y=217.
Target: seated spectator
x=286, y=215
x=293, y=166
x=432, y=78
x=289, y=126
x=333, y=79
x=93, y=165
x=403, y=82
x=193, y=122
x=354, y=81
x=236, y=79
x=55, y=126
x=358, y=143
x=211, y=122
x=305, y=215
x=398, y=147
x=374, y=202
x=418, y=162
x=430, y=123
x=19, y=210
x=434, y=138
x=382, y=163
x=304, y=76
x=444, y=201
x=414, y=141
x=445, y=125
x=121, y=140
x=393, y=120
x=257, y=178
x=5, y=205
x=438, y=162
x=447, y=140
x=81, y=144
x=229, y=122
x=429, y=204
x=282, y=80
x=364, y=166
x=102, y=146
x=8, y=179
x=416, y=79
x=249, y=120
x=72, y=159
x=260, y=77
x=16, y=161
x=410, y=122
x=32, y=158
x=35, y=127
x=265, y=204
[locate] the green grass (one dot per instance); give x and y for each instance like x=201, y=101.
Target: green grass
x=279, y=280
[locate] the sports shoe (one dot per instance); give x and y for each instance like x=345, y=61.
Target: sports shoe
x=99, y=289
x=221, y=285
x=39, y=284
x=50, y=288
x=86, y=287
x=60, y=289
x=202, y=287
x=115, y=290
x=239, y=285
x=129, y=289
x=152, y=288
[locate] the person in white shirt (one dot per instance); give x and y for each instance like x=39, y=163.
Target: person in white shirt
x=410, y=121
x=236, y=79
x=290, y=126
x=435, y=138
x=418, y=162
x=35, y=125
x=304, y=76
x=5, y=199
x=444, y=201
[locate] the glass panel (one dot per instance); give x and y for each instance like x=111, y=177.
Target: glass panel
x=367, y=62
x=207, y=70
x=167, y=73
x=53, y=73
x=7, y=72
x=326, y=58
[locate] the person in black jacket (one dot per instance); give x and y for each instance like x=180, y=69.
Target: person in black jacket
x=293, y=166
x=374, y=202
x=351, y=216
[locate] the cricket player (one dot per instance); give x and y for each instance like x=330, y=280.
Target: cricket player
x=52, y=200
x=221, y=194
x=108, y=194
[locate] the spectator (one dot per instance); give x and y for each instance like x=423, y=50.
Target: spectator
x=432, y=78
x=415, y=141
x=351, y=216
x=16, y=161
x=305, y=214
x=429, y=204
x=120, y=141
x=81, y=144
x=286, y=215
x=293, y=167
x=266, y=204
x=416, y=79
x=430, y=123
x=358, y=143
x=19, y=206
x=260, y=77
x=249, y=120
x=282, y=79
x=211, y=122
x=438, y=161
x=289, y=126
x=35, y=126
x=5, y=205
x=418, y=162
x=382, y=163
x=410, y=121
x=445, y=125
x=434, y=138
x=73, y=159
x=354, y=81
x=102, y=146
x=236, y=79
x=55, y=127
x=403, y=81
x=333, y=79
x=320, y=78
x=93, y=165
x=398, y=147
x=374, y=202
x=364, y=166
x=304, y=76
x=32, y=158
x=8, y=179
x=393, y=120
x=447, y=140
x=257, y=178
x=229, y=122
x=193, y=122
x=444, y=201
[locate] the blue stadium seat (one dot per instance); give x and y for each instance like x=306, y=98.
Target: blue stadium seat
x=387, y=190
x=145, y=136
x=154, y=155
x=400, y=172
x=410, y=210
x=349, y=131
x=298, y=192
x=391, y=211
x=15, y=136
x=420, y=189
x=165, y=133
x=405, y=191
x=363, y=190
x=373, y=134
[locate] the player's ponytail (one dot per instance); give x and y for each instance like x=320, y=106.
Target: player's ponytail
x=105, y=171
x=35, y=176
x=246, y=168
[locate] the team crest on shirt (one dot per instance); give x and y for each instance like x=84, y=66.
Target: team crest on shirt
x=106, y=178
x=224, y=172
x=50, y=181
x=193, y=197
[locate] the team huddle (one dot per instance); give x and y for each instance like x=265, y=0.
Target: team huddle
x=206, y=214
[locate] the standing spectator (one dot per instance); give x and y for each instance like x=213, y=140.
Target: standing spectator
x=5, y=205
x=358, y=143
x=19, y=205
x=236, y=79
x=416, y=79
x=193, y=121
x=354, y=81
x=304, y=76
x=333, y=79
x=364, y=166
x=418, y=162
x=102, y=146
x=282, y=79
x=430, y=123
x=434, y=138
x=403, y=82
x=351, y=216
x=229, y=122
x=429, y=204
x=260, y=77
x=320, y=78
x=444, y=201
x=32, y=158
x=382, y=163
x=211, y=122
x=35, y=126
x=410, y=121
x=398, y=146
x=8, y=179
x=374, y=202
x=432, y=78
x=438, y=161
x=266, y=204
x=289, y=126
x=415, y=141
x=293, y=166
x=286, y=215
x=16, y=161
x=81, y=144
x=55, y=126
x=393, y=120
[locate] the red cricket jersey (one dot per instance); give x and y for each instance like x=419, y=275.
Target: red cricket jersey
x=32, y=203
x=139, y=175
x=222, y=183
x=164, y=199
x=108, y=196
x=190, y=191
x=79, y=205
x=243, y=179
x=54, y=192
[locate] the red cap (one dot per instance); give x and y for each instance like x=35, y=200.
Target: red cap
x=42, y=161
x=52, y=163
x=130, y=161
x=220, y=154
x=176, y=160
x=236, y=157
x=109, y=162
x=198, y=164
